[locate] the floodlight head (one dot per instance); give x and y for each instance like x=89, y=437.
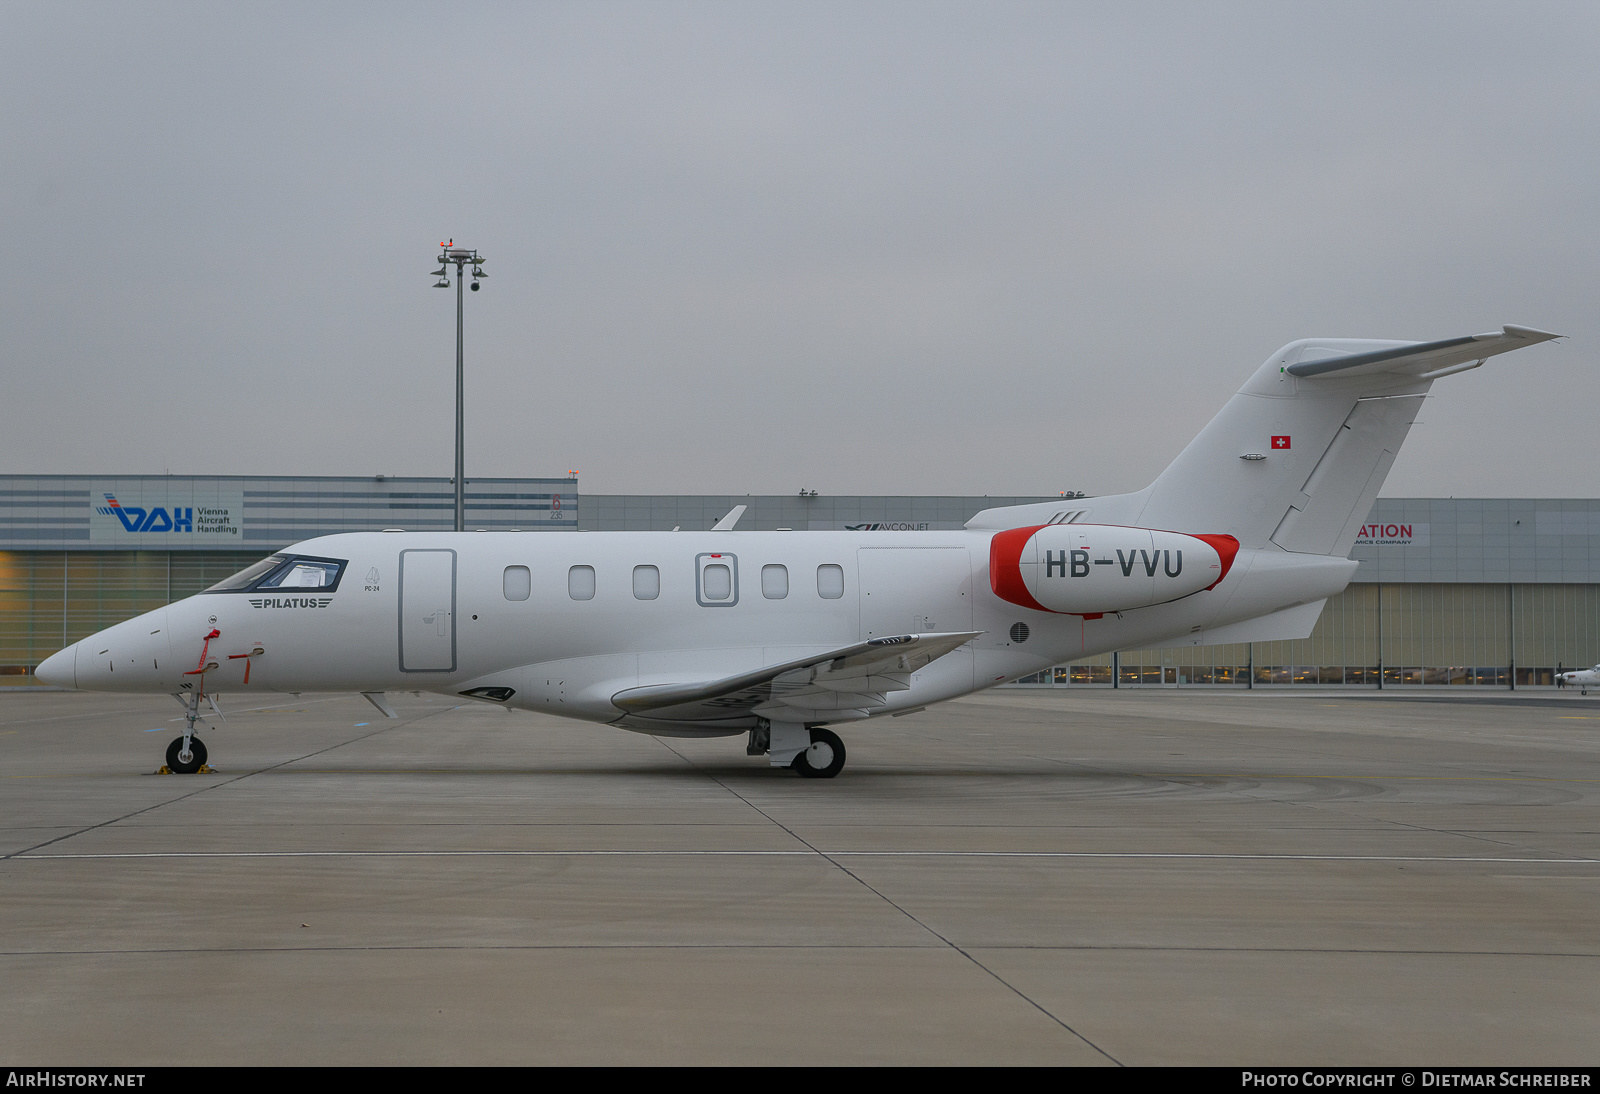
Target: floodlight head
x=474, y=286
x=442, y=283
x=477, y=271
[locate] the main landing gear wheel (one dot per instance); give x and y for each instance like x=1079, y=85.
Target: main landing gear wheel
x=197, y=756
x=824, y=759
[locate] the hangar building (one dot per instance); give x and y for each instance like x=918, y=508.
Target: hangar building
x=1498, y=592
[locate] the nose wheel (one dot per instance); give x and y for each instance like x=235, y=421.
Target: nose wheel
x=186, y=755
x=186, y=761
x=823, y=760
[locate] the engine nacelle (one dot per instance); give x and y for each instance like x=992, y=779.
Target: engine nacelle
x=1091, y=569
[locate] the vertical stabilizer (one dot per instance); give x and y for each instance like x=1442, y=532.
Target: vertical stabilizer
x=1288, y=459
x=1296, y=458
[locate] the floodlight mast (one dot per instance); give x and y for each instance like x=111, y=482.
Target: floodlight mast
x=461, y=256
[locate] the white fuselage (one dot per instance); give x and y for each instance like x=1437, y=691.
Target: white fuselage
x=435, y=612
x=1241, y=539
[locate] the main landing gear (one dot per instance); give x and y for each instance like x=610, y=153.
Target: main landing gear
x=823, y=760
x=809, y=753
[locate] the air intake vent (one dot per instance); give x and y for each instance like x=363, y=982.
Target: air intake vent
x=1019, y=633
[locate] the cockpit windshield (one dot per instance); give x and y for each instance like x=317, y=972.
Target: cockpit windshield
x=249, y=576
x=284, y=572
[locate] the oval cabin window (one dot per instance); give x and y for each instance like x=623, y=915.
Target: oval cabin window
x=830, y=581
x=717, y=582
x=774, y=582
x=646, y=582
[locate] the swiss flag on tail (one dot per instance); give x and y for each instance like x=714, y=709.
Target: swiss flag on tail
x=1280, y=442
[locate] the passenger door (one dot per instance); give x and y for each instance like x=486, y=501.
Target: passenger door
x=427, y=611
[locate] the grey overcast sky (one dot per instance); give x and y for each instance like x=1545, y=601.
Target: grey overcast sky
x=903, y=248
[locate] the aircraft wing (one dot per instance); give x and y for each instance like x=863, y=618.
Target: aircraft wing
x=1424, y=360
x=852, y=678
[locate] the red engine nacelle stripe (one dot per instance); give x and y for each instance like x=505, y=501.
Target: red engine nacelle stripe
x=1227, y=547
x=1005, y=558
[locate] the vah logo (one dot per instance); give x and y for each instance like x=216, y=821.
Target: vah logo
x=186, y=519
x=136, y=519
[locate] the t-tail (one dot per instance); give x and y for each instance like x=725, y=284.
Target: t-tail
x=1290, y=468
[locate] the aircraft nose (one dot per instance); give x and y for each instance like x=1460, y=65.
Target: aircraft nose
x=60, y=668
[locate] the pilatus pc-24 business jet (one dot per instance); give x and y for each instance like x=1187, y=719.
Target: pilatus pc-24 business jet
x=785, y=637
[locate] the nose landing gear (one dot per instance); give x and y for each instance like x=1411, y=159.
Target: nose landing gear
x=186, y=760
x=186, y=755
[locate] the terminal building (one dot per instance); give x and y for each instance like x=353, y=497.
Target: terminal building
x=1486, y=592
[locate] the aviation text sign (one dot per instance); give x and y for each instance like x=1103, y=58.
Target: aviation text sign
x=1393, y=534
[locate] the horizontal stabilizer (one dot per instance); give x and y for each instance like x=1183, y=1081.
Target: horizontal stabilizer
x=854, y=677
x=1285, y=625
x=1424, y=360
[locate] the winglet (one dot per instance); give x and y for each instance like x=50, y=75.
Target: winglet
x=1529, y=333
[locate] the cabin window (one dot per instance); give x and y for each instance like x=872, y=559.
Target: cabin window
x=580, y=583
x=774, y=582
x=646, y=582
x=518, y=583
x=830, y=581
x=717, y=582
x=716, y=579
